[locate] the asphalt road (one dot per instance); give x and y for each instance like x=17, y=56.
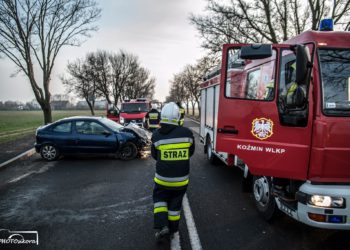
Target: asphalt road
x=103, y=203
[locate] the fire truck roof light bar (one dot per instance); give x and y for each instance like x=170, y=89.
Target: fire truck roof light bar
x=326, y=25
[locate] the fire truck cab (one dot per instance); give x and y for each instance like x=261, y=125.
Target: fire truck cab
x=281, y=113
x=134, y=111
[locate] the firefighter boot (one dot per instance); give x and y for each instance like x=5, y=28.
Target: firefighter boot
x=162, y=233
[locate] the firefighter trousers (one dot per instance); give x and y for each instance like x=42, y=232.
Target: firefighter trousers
x=167, y=207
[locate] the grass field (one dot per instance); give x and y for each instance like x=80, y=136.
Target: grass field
x=14, y=124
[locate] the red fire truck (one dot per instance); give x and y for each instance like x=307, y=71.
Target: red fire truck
x=134, y=111
x=281, y=113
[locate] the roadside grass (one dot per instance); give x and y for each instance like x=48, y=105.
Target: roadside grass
x=15, y=124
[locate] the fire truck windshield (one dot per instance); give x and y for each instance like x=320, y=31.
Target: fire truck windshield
x=134, y=107
x=335, y=73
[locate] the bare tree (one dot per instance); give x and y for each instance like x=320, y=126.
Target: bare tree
x=112, y=76
x=274, y=21
x=83, y=81
x=185, y=86
x=100, y=64
x=138, y=82
x=33, y=32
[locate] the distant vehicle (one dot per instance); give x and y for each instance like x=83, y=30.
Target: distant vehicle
x=134, y=111
x=113, y=113
x=91, y=135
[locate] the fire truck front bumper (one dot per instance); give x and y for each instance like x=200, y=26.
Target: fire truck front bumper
x=324, y=206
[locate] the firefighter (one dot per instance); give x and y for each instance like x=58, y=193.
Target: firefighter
x=269, y=91
x=182, y=114
x=172, y=147
x=153, y=118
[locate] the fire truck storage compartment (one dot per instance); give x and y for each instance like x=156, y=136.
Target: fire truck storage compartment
x=209, y=109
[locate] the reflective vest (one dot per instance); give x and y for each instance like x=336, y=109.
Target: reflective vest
x=153, y=118
x=172, y=147
x=290, y=92
x=182, y=116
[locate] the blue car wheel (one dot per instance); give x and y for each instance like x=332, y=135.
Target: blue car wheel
x=49, y=152
x=128, y=151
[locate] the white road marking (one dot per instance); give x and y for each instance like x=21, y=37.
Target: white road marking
x=191, y=226
x=175, y=242
x=43, y=169
x=21, y=177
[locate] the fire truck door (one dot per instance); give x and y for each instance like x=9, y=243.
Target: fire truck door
x=264, y=116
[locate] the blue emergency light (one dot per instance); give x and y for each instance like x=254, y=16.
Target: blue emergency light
x=326, y=25
x=336, y=219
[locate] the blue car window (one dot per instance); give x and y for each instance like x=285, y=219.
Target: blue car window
x=89, y=128
x=63, y=127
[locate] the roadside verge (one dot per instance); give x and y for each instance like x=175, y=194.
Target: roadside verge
x=28, y=153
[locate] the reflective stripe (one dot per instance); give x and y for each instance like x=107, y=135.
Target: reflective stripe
x=174, y=140
x=174, y=213
x=160, y=210
x=160, y=204
x=153, y=116
x=292, y=89
x=171, y=179
x=174, y=146
x=173, y=122
x=153, y=125
x=173, y=217
x=171, y=184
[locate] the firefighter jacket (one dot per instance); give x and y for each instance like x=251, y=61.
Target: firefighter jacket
x=153, y=118
x=172, y=147
x=182, y=115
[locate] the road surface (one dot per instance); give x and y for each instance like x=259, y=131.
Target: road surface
x=103, y=203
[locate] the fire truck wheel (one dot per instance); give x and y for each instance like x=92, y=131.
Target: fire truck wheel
x=264, y=201
x=212, y=158
x=128, y=151
x=49, y=152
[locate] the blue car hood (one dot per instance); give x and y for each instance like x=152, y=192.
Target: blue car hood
x=125, y=136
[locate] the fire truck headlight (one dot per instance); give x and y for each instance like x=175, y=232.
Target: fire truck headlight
x=121, y=120
x=326, y=201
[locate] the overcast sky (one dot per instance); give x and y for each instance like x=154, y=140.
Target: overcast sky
x=158, y=31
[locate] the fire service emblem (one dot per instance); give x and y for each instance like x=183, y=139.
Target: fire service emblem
x=262, y=128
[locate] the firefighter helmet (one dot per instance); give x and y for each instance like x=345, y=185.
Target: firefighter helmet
x=170, y=114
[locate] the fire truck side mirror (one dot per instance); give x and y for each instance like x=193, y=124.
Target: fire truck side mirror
x=256, y=51
x=302, y=64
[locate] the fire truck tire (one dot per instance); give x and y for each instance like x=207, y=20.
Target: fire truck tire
x=264, y=201
x=128, y=151
x=212, y=158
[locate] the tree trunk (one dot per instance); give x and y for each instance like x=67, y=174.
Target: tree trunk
x=46, y=107
x=199, y=109
x=187, y=107
x=193, y=103
x=91, y=107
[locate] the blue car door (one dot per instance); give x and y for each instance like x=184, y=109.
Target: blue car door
x=93, y=137
x=63, y=138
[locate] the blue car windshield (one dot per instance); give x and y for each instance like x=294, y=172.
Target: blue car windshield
x=116, y=127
